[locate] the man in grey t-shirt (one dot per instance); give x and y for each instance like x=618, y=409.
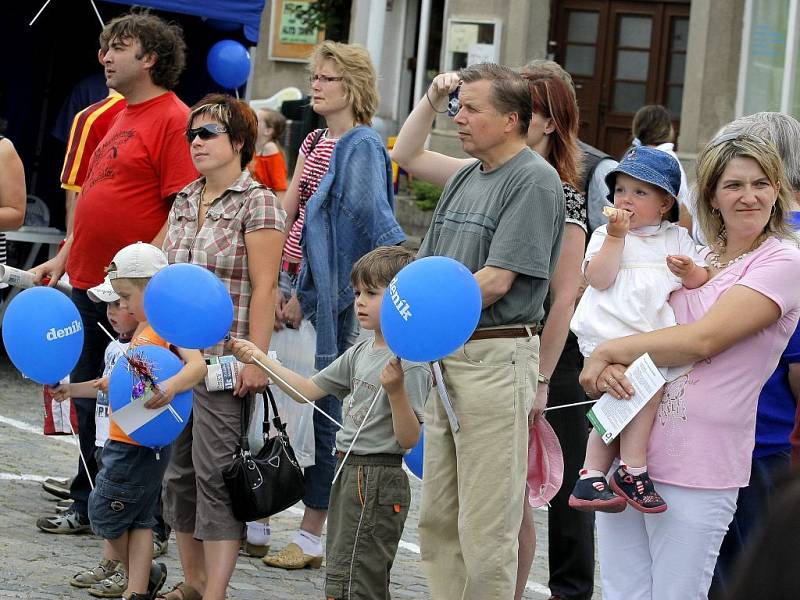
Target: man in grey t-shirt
x=502, y=216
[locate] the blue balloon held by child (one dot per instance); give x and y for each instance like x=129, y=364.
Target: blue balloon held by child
x=414, y=457
x=43, y=334
x=132, y=381
x=188, y=306
x=430, y=309
x=228, y=64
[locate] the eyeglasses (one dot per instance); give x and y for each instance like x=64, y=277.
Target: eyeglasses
x=323, y=79
x=205, y=132
x=736, y=136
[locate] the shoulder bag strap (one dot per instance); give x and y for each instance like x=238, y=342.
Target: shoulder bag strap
x=243, y=443
x=276, y=420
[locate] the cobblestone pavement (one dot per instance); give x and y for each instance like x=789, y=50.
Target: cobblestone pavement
x=37, y=565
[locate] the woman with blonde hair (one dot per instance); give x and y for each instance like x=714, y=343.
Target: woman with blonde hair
x=701, y=444
x=341, y=200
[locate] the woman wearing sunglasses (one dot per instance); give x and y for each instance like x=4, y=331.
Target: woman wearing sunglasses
x=341, y=199
x=702, y=441
x=232, y=225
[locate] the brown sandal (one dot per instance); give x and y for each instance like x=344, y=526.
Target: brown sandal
x=182, y=591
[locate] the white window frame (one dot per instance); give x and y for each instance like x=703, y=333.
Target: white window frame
x=789, y=59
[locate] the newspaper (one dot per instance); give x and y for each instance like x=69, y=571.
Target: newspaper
x=610, y=416
x=24, y=279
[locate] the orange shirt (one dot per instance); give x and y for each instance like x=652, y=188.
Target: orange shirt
x=270, y=171
x=148, y=337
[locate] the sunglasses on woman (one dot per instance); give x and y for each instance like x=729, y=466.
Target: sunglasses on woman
x=205, y=132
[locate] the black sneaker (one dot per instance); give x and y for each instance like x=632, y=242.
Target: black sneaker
x=592, y=494
x=67, y=522
x=638, y=491
x=59, y=489
x=158, y=576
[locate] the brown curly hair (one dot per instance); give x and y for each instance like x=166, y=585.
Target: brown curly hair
x=155, y=36
x=238, y=118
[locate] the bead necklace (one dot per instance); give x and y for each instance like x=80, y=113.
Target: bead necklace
x=713, y=258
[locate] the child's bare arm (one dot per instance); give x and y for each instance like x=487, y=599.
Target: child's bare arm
x=692, y=275
x=602, y=269
x=246, y=351
x=192, y=373
x=62, y=391
x=404, y=420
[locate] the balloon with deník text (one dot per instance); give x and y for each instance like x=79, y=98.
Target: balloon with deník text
x=132, y=382
x=413, y=458
x=430, y=309
x=228, y=64
x=188, y=306
x=43, y=334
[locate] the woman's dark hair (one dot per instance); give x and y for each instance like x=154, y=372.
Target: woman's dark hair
x=155, y=36
x=652, y=125
x=238, y=118
x=553, y=99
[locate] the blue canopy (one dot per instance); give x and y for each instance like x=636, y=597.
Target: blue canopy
x=246, y=12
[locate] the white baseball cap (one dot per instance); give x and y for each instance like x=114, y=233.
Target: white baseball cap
x=103, y=292
x=137, y=261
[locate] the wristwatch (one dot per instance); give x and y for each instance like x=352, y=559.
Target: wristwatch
x=543, y=379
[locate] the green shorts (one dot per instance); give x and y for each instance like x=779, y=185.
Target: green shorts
x=368, y=509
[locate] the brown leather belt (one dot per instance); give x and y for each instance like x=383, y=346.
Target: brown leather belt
x=506, y=332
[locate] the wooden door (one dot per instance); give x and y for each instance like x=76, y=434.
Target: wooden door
x=622, y=56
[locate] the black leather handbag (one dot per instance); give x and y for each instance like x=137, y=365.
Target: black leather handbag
x=269, y=482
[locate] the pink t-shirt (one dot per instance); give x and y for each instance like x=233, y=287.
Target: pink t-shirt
x=704, y=432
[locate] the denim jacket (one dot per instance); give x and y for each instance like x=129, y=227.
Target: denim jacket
x=351, y=213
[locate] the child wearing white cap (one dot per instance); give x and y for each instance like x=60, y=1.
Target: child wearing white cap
x=107, y=576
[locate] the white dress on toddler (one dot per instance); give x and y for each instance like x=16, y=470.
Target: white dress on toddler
x=638, y=299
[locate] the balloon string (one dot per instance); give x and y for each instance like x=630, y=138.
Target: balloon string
x=125, y=356
x=41, y=10
x=77, y=443
x=568, y=405
x=294, y=390
x=355, y=437
x=97, y=12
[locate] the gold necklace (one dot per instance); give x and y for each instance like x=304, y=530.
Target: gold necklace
x=203, y=202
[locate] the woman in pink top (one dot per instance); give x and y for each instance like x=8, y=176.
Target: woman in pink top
x=734, y=329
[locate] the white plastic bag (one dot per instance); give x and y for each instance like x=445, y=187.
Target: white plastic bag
x=295, y=349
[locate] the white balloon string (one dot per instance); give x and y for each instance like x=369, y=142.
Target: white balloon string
x=97, y=12
x=355, y=437
x=295, y=391
x=41, y=10
x=172, y=411
x=78, y=444
x=569, y=405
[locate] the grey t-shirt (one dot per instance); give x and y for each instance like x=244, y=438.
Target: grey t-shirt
x=511, y=218
x=354, y=378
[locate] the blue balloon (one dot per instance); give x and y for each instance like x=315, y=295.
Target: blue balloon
x=43, y=334
x=126, y=384
x=228, y=64
x=414, y=457
x=188, y=306
x=223, y=25
x=430, y=309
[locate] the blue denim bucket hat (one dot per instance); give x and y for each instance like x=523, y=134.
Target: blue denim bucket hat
x=651, y=166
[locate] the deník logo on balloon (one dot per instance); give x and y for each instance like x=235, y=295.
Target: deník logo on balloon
x=56, y=334
x=402, y=306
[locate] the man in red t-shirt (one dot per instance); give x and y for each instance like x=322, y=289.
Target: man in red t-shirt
x=133, y=176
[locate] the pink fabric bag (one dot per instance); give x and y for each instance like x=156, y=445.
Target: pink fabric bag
x=545, y=463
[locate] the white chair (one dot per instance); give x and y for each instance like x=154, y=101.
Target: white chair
x=274, y=102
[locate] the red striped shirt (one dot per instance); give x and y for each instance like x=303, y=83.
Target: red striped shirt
x=89, y=127
x=314, y=168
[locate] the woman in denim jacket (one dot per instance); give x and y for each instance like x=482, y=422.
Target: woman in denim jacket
x=339, y=207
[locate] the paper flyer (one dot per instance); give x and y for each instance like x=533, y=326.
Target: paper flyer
x=610, y=416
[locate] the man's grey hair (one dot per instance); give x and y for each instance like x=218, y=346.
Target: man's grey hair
x=782, y=130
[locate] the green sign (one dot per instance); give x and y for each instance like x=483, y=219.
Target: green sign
x=294, y=30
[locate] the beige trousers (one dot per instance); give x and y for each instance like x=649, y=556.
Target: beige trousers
x=474, y=482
